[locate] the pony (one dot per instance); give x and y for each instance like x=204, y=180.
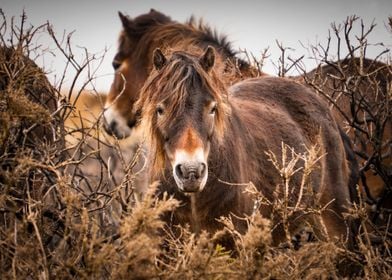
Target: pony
x=132, y=63
x=358, y=90
x=208, y=140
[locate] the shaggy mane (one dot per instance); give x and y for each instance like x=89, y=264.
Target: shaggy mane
x=155, y=29
x=212, y=36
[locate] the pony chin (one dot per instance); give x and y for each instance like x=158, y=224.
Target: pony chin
x=197, y=187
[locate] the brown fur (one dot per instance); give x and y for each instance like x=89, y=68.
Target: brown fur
x=147, y=32
x=189, y=142
x=252, y=117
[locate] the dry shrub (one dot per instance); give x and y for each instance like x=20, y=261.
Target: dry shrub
x=286, y=210
x=31, y=144
x=69, y=208
x=359, y=92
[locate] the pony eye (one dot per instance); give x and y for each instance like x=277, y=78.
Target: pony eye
x=159, y=110
x=116, y=64
x=213, y=110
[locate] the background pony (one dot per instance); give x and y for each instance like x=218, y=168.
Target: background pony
x=133, y=61
x=358, y=91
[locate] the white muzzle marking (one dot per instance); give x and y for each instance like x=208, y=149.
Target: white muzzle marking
x=183, y=157
x=116, y=122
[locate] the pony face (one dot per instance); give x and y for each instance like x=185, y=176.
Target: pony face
x=184, y=110
x=186, y=140
x=118, y=118
x=131, y=70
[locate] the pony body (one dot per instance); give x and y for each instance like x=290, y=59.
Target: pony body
x=358, y=93
x=186, y=105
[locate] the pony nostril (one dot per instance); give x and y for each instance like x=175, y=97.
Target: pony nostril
x=202, y=170
x=109, y=127
x=179, y=171
x=112, y=127
x=131, y=123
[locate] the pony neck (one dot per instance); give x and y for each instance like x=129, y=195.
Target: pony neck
x=230, y=158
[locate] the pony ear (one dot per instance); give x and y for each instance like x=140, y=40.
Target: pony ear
x=128, y=26
x=159, y=59
x=125, y=20
x=207, y=60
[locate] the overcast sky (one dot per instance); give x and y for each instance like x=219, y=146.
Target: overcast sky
x=253, y=25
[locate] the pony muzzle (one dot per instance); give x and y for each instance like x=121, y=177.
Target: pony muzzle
x=191, y=176
x=116, y=125
x=190, y=172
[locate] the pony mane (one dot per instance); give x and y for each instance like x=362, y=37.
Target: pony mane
x=212, y=36
x=155, y=29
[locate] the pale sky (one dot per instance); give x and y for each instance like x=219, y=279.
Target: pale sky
x=251, y=25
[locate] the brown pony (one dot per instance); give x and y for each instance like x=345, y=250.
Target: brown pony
x=359, y=93
x=208, y=139
x=132, y=62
